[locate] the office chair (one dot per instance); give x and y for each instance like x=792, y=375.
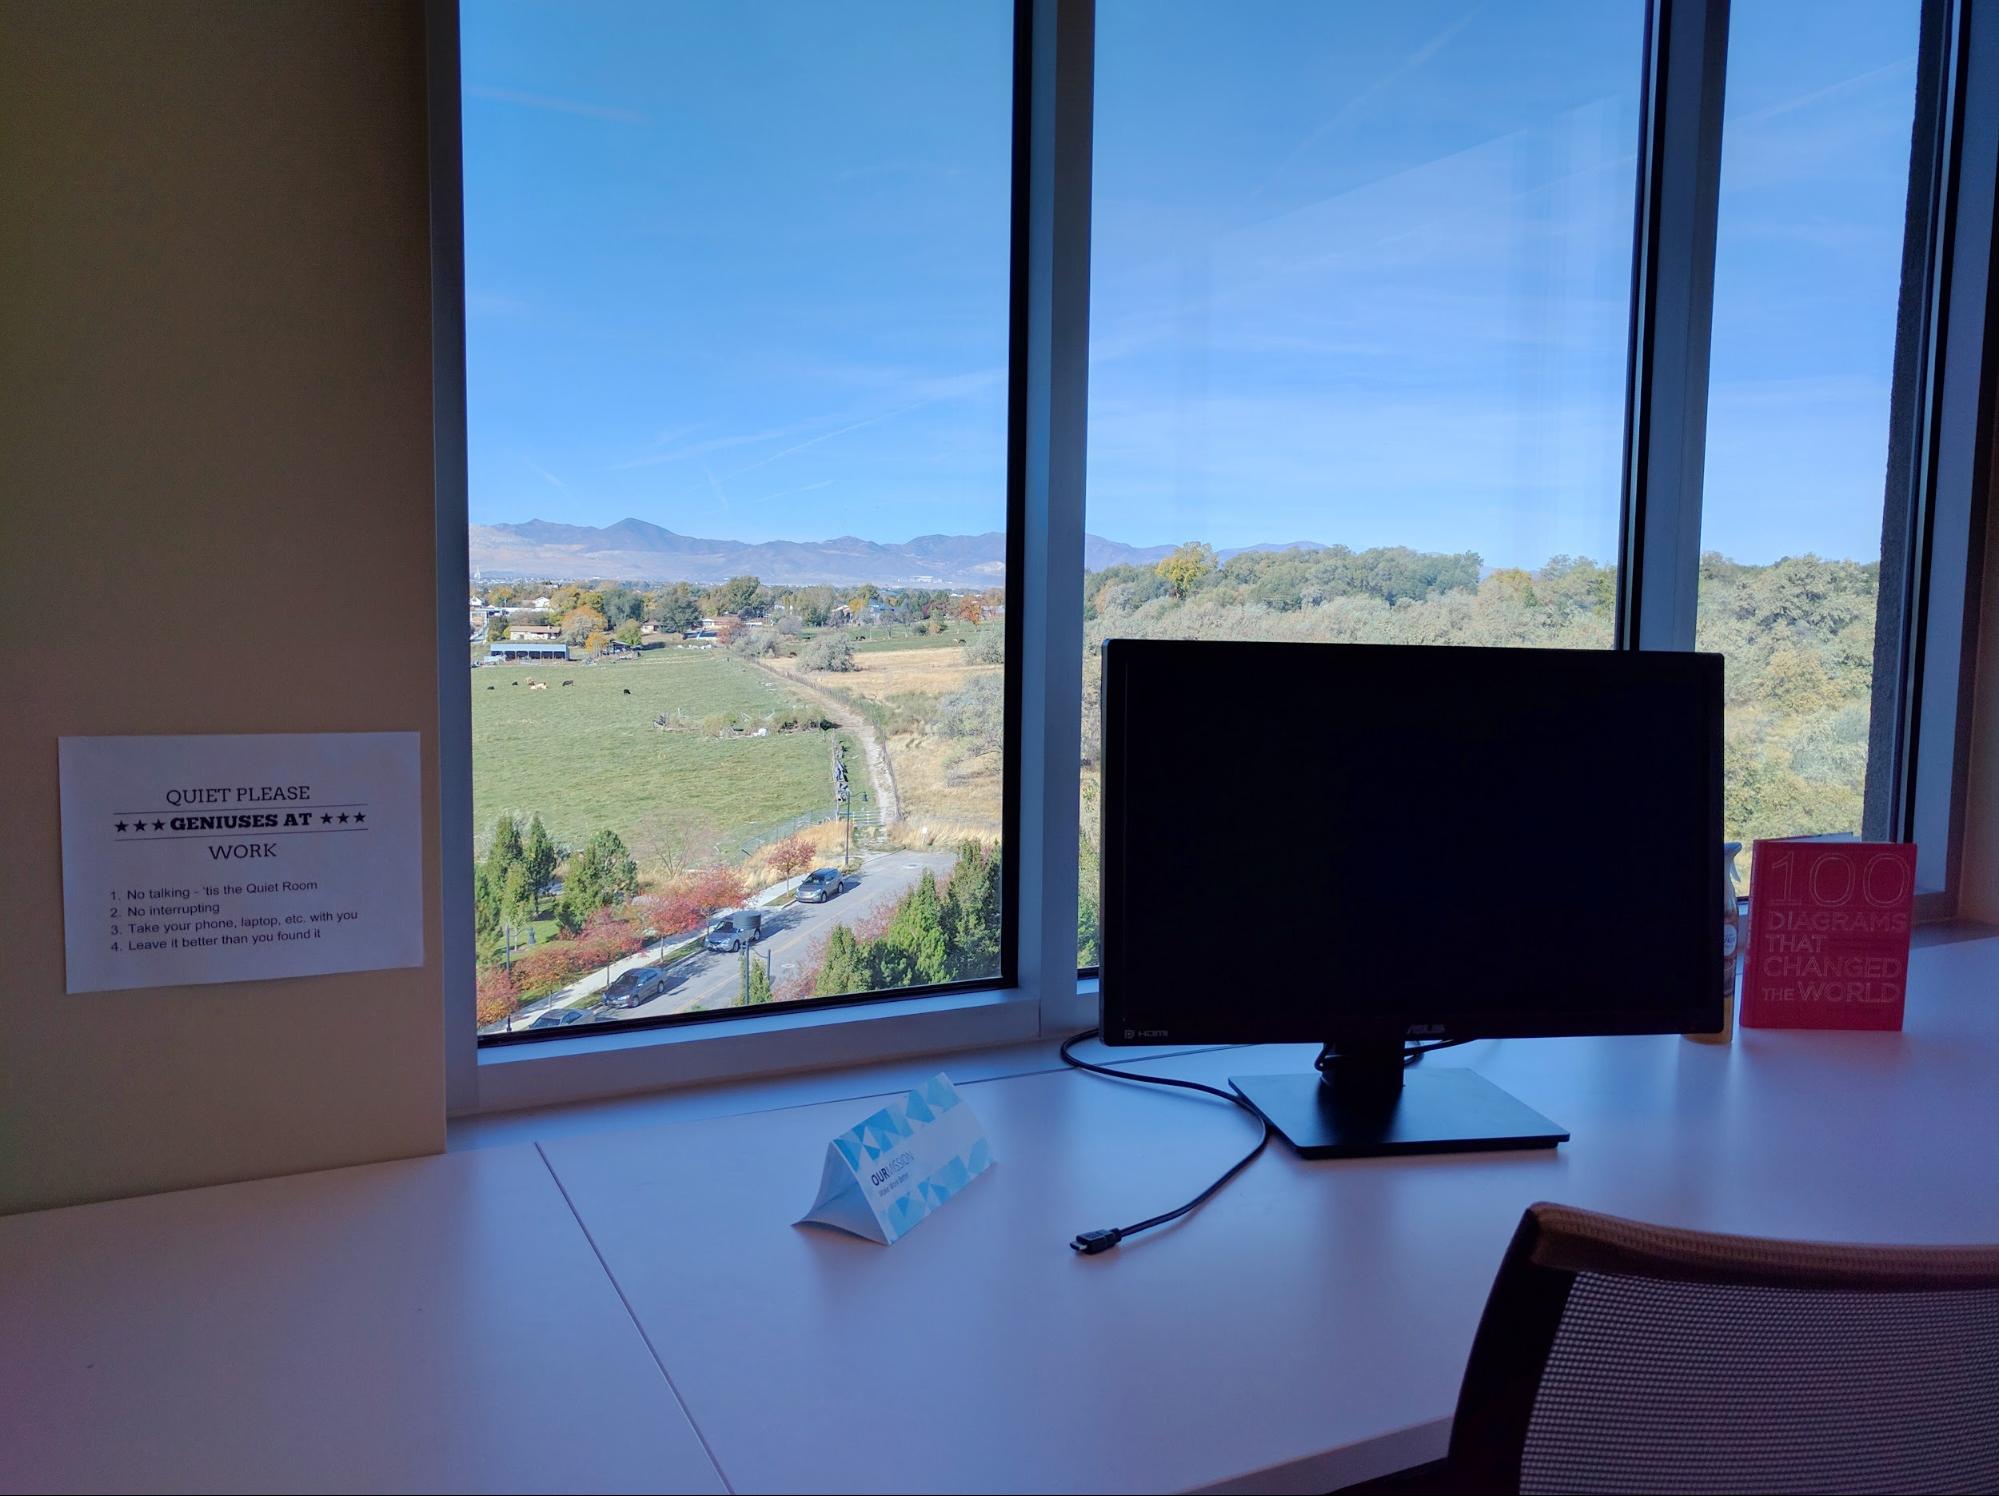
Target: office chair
x=1616, y=1356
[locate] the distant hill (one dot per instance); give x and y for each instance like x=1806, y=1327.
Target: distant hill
x=634, y=550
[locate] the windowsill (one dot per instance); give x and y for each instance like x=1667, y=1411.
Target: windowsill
x=600, y=1065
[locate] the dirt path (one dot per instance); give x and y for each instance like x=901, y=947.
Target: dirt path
x=880, y=771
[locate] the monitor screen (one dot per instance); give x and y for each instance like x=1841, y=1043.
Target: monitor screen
x=1317, y=842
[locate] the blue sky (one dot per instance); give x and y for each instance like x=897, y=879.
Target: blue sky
x=1360, y=272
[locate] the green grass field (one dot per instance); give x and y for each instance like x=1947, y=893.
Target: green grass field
x=586, y=755
x=900, y=637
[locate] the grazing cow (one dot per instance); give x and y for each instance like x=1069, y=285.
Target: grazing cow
x=537, y=685
x=489, y=688
x=569, y=683
x=628, y=690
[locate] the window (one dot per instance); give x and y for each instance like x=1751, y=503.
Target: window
x=1393, y=324
x=1360, y=305
x=737, y=313
x=1814, y=179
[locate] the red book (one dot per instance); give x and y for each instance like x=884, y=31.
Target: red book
x=1829, y=929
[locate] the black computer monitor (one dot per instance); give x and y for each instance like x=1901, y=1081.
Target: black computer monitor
x=1361, y=845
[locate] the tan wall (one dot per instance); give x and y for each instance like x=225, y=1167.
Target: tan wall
x=215, y=415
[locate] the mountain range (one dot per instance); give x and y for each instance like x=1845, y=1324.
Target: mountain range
x=634, y=550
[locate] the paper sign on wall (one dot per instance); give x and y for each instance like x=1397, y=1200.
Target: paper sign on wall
x=238, y=858
x=884, y=1176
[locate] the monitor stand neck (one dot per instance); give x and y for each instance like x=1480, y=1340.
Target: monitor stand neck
x=1363, y=1068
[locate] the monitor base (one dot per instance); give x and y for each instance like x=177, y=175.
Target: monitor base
x=1432, y=1111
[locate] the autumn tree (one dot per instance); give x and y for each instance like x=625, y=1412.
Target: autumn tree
x=756, y=983
x=1187, y=567
x=629, y=633
x=496, y=628
x=498, y=996
x=578, y=624
x=790, y=856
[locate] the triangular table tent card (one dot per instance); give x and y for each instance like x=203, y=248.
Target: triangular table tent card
x=896, y=1167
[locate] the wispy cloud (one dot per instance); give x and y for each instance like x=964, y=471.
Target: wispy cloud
x=715, y=486
x=713, y=444
x=827, y=436
x=1829, y=91
x=544, y=472
x=556, y=106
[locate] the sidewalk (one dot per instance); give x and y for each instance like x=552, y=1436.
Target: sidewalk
x=583, y=991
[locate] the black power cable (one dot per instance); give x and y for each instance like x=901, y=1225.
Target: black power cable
x=1089, y=1243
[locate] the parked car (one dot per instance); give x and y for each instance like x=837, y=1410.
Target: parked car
x=558, y=1018
x=735, y=930
x=640, y=985
x=820, y=885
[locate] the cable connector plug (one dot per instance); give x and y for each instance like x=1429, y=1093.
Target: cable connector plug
x=1089, y=1243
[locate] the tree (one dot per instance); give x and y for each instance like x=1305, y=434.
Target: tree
x=628, y=633
x=675, y=609
x=620, y=605
x=602, y=873
x=846, y=967
x=496, y=628
x=972, y=913
x=505, y=850
x=538, y=857
x=913, y=950
x=715, y=888
x=597, y=642
x=516, y=895
x=790, y=856
x=744, y=596
x=578, y=624
x=756, y=983
x=498, y=995
x=1188, y=567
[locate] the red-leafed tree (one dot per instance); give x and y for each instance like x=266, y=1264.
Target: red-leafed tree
x=791, y=856
x=709, y=889
x=499, y=994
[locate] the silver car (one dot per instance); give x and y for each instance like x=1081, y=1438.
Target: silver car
x=731, y=932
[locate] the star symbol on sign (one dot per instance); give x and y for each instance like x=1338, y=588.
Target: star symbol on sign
x=359, y=817
x=121, y=825
x=323, y=820
x=343, y=817
x=159, y=825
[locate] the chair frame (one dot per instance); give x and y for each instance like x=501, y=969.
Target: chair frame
x=1554, y=1244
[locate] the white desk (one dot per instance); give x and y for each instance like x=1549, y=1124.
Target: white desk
x=435, y=1325
x=445, y=1323
x=1308, y=1327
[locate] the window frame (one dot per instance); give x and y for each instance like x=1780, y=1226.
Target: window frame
x=1932, y=505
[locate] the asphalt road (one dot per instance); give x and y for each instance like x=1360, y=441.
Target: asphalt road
x=713, y=979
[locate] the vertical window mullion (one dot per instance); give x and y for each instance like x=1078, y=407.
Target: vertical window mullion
x=1937, y=494
x=1052, y=246
x=1672, y=306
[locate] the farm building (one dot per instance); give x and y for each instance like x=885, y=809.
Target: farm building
x=534, y=632
x=527, y=650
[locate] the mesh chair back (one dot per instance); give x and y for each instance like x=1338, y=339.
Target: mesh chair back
x=1615, y=1356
